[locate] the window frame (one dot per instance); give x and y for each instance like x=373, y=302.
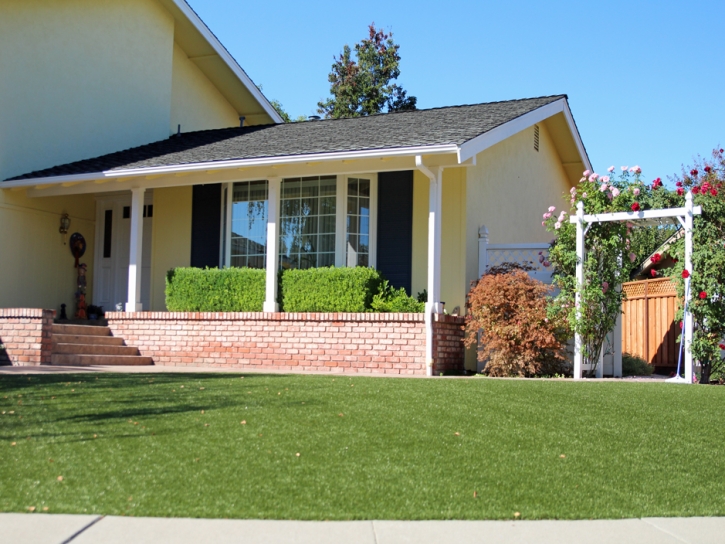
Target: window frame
x=341, y=181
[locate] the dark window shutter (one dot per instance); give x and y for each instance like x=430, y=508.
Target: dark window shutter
x=395, y=227
x=206, y=209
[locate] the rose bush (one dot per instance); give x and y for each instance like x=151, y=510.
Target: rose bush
x=614, y=249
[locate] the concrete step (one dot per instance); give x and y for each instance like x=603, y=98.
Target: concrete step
x=64, y=359
x=84, y=330
x=82, y=339
x=94, y=349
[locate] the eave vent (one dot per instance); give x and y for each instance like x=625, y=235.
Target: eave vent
x=536, y=137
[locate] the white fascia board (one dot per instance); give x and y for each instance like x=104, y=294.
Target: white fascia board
x=480, y=143
x=636, y=216
x=239, y=163
x=577, y=137
x=228, y=59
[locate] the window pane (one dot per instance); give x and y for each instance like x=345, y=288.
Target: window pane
x=310, y=187
x=364, y=206
x=352, y=187
x=327, y=243
x=326, y=259
x=352, y=205
x=364, y=187
x=309, y=206
x=328, y=204
x=249, y=223
x=291, y=188
x=352, y=224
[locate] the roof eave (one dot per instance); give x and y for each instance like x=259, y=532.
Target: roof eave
x=230, y=164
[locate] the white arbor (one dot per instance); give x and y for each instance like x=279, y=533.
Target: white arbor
x=649, y=217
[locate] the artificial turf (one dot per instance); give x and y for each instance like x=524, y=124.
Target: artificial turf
x=324, y=447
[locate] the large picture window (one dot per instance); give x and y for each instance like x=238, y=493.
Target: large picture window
x=324, y=221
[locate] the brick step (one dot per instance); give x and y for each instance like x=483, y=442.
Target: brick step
x=64, y=359
x=94, y=349
x=83, y=339
x=83, y=330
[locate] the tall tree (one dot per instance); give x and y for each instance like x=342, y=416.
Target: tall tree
x=363, y=85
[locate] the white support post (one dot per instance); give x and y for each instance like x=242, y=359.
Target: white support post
x=482, y=250
x=433, y=306
x=133, y=303
x=270, y=303
x=687, y=318
x=580, y=254
x=617, y=345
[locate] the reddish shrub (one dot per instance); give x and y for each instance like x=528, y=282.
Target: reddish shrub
x=510, y=310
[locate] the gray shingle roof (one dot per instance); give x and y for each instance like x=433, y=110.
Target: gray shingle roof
x=449, y=125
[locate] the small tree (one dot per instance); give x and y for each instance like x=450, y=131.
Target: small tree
x=518, y=338
x=363, y=85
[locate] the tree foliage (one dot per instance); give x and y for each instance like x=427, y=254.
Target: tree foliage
x=517, y=336
x=363, y=83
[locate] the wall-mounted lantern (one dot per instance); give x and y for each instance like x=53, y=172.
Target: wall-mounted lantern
x=64, y=225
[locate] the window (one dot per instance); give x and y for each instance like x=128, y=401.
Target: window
x=249, y=224
x=357, y=247
x=307, y=222
x=324, y=221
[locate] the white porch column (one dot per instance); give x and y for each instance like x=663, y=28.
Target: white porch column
x=270, y=303
x=580, y=254
x=688, y=327
x=434, y=242
x=482, y=250
x=133, y=303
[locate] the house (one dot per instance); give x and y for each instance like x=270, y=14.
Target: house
x=156, y=170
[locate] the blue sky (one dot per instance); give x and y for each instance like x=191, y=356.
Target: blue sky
x=645, y=79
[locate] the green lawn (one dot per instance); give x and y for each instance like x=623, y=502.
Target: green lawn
x=369, y=448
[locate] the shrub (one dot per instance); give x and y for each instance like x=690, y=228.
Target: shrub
x=518, y=338
x=635, y=366
x=215, y=290
x=329, y=289
x=389, y=299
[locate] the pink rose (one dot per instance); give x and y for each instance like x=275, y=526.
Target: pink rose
x=632, y=257
x=635, y=191
x=552, y=208
x=624, y=168
x=543, y=223
x=605, y=179
x=557, y=225
x=547, y=215
x=603, y=187
x=594, y=177
x=586, y=173
x=610, y=169
x=605, y=286
x=615, y=192
x=584, y=195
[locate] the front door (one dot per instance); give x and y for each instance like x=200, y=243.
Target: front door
x=113, y=234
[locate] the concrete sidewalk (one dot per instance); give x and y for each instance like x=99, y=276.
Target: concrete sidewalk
x=66, y=529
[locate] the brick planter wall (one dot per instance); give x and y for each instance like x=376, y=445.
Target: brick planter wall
x=333, y=342
x=26, y=334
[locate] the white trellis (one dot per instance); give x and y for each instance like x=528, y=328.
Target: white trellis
x=648, y=217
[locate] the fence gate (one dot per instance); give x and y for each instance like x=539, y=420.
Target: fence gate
x=648, y=321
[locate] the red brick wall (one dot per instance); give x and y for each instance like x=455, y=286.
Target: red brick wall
x=26, y=334
x=448, y=335
x=357, y=343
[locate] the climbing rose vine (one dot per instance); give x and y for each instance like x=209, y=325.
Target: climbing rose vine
x=614, y=249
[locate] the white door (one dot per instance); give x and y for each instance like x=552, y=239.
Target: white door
x=113, y=234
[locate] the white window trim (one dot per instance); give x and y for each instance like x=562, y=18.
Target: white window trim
x=340, y=221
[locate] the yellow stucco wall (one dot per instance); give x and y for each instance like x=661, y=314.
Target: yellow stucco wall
x=81, y=78
x=36, y=268
x=196, y=104
x=171, y=238
x=509, y=189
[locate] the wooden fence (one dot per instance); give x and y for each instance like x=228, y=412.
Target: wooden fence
x=648, y=321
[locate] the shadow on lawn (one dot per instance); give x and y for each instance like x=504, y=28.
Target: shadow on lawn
x=106, y=403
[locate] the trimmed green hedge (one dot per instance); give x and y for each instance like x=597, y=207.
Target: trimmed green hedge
x=329, y=289
x=215, y=290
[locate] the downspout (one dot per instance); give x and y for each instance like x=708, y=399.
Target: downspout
x=431, y=305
